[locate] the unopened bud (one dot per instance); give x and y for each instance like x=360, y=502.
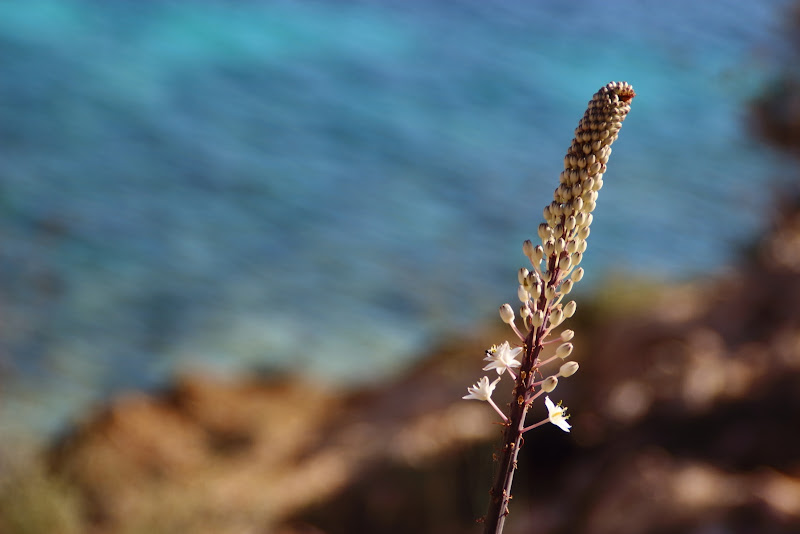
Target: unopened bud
x=537, y=289
x=564, y=350
x=566, y=287
x=556, y=317
x=568, y=369
x=532, y=283
x=549, y=292
x=582, y=247
x=563, y=192
x=549, y=384
x=522, y=274
x=527, y=248
x=569, y=309
x=577, y=274
x=572, y=246
x=522, y=294
x=549, y=247
x=506, y=313
x=538, y=254
x=577, y=257
x=584, y=232
x=564, y=262
x=566, y=335
x=537, y=318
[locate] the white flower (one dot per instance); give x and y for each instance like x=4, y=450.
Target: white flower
x=502, y=358
x=481, y=391
x=556, y=414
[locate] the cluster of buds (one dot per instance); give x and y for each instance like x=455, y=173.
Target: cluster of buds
x=555, y=262
x=544, y=287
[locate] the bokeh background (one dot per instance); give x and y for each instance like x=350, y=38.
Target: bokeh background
x=330, y=187
x=334, y=189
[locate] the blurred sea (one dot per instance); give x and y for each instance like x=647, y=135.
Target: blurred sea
x=329, y=188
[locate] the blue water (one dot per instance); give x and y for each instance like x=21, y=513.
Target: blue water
x=329, y=188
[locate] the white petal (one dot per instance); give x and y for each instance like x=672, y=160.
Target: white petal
x=496, y=366
x=563, y=425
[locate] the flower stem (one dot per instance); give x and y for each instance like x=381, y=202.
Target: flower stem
x=540, y=423
x=498, y=410
x=500, y=494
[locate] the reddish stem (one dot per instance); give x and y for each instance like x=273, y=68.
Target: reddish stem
x=500, y=494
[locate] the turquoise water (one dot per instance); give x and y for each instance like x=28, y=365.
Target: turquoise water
x=332, y=187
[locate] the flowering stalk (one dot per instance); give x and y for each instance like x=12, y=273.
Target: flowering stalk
x=542, y=289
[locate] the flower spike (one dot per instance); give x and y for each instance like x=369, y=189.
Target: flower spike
x=543, y=286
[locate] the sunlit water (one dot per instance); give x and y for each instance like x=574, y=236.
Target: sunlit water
x=331, y=187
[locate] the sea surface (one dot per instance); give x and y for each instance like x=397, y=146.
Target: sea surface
x=331, y=188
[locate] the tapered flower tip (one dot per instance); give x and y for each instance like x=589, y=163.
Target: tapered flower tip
x=624, y=90
x=556, y=414
x=481, y=391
